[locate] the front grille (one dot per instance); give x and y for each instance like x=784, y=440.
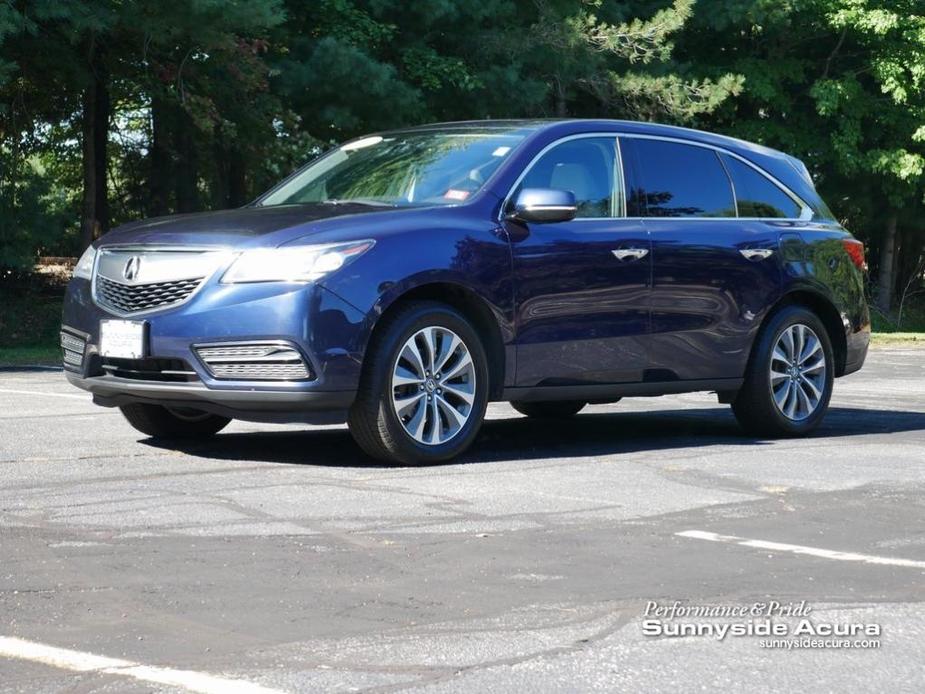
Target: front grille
x=72, y=349
x=131, y=298
x=149, y=369
x=260, y=372
x=255, y=361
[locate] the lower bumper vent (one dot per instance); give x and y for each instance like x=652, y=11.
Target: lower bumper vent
x=254, y=361
x=72, y=349
x=149, y=369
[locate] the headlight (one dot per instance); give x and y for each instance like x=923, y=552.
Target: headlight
x=293, y=263
x=84, y=267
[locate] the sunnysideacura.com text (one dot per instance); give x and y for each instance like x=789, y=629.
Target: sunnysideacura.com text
x=775, y=624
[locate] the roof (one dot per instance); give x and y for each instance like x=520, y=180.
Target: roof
x=787, y=169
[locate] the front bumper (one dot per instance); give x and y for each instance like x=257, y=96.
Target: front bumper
x=254, y=405
x=326, y=330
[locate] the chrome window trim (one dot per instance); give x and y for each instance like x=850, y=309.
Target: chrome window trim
x=732, y=183
x=806, y=213
x=621, y=212
x=555, y=143
x=153, y=248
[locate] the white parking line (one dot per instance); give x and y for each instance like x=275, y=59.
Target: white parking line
x=801, y=549
x=78, y=661
x=38, y=392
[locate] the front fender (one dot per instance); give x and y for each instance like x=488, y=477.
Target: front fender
x=474, y=258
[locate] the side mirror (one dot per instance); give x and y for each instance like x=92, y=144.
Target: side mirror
x=544, y=205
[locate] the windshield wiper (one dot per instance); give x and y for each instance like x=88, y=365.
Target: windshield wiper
x=358, y=201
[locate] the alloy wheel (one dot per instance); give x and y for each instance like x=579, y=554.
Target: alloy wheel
x=433, y=385
x=798, y=372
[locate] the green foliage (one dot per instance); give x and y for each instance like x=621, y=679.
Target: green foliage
x=841, y=85
x=31, y=315
x=31, y=211
x=214, y=100
x=638, y=40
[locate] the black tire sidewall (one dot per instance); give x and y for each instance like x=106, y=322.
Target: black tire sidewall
x=405, y=448
x=158, y=421
x=760, y=377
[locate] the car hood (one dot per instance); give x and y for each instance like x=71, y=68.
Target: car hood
x=247, y=226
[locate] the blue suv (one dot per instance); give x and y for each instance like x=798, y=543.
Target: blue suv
x=403, y=280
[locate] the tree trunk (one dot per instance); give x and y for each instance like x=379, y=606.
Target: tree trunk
x=159, y=157
x=885, y=273
x=101, y=113
x=229, y=188
x=237, y=185
x=89, y=221
x=187, y=173
x=561, y=102
x=94, y=217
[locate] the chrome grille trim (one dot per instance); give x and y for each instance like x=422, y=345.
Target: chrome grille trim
x=254, y=361
x=71, y=342
x=157, y=369
x=261, y=372
x=129, y=299
x=161, y=277
x=72, y=349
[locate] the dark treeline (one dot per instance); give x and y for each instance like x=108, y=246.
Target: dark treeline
x=111, y=111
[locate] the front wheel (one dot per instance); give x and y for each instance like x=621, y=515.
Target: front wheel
x=424, y=387
x=172, y=422
x=789, y=380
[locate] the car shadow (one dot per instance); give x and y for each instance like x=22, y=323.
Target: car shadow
x=521, y=438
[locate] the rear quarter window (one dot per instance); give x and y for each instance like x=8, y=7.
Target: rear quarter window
x=756, y=195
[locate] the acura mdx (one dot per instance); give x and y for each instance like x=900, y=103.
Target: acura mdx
x=403, y=280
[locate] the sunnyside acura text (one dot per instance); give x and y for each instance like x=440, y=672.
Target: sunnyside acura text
x=403, y=280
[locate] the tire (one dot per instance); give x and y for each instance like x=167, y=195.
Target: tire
x=756, y=405
x=415, y=437
x=551, y=409
x=164, y=422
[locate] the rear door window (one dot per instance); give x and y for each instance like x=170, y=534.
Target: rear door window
x=676, y=180
x=758, y=196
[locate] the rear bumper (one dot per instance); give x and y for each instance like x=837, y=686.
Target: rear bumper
x=857, y=346
x=255, y=405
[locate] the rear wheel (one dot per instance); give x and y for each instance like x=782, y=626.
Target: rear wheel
x=172, y=422
x=789, y=380
x=550, y=409
x=424, y=387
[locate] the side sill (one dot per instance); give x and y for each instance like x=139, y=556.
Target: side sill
x=619, y=390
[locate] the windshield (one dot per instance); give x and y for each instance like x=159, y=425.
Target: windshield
x=401, y=169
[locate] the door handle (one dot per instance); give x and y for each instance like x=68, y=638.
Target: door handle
x=634, y=253
x=756, y=253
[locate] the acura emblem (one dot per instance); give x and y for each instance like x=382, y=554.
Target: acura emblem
x=132, y=265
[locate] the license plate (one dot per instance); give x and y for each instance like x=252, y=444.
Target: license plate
x=122, y=339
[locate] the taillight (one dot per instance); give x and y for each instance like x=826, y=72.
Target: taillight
x=855, y=250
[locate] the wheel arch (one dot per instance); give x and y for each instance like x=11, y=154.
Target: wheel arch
x=825, y=309
x=470, y=304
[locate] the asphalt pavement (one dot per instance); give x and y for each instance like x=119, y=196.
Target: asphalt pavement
x=279, y=558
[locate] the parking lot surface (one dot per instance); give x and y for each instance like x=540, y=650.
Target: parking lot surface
x=279, y=558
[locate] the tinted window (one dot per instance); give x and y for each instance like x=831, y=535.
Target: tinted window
x=756, y=196
x=676, y=180
x=585, y=167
